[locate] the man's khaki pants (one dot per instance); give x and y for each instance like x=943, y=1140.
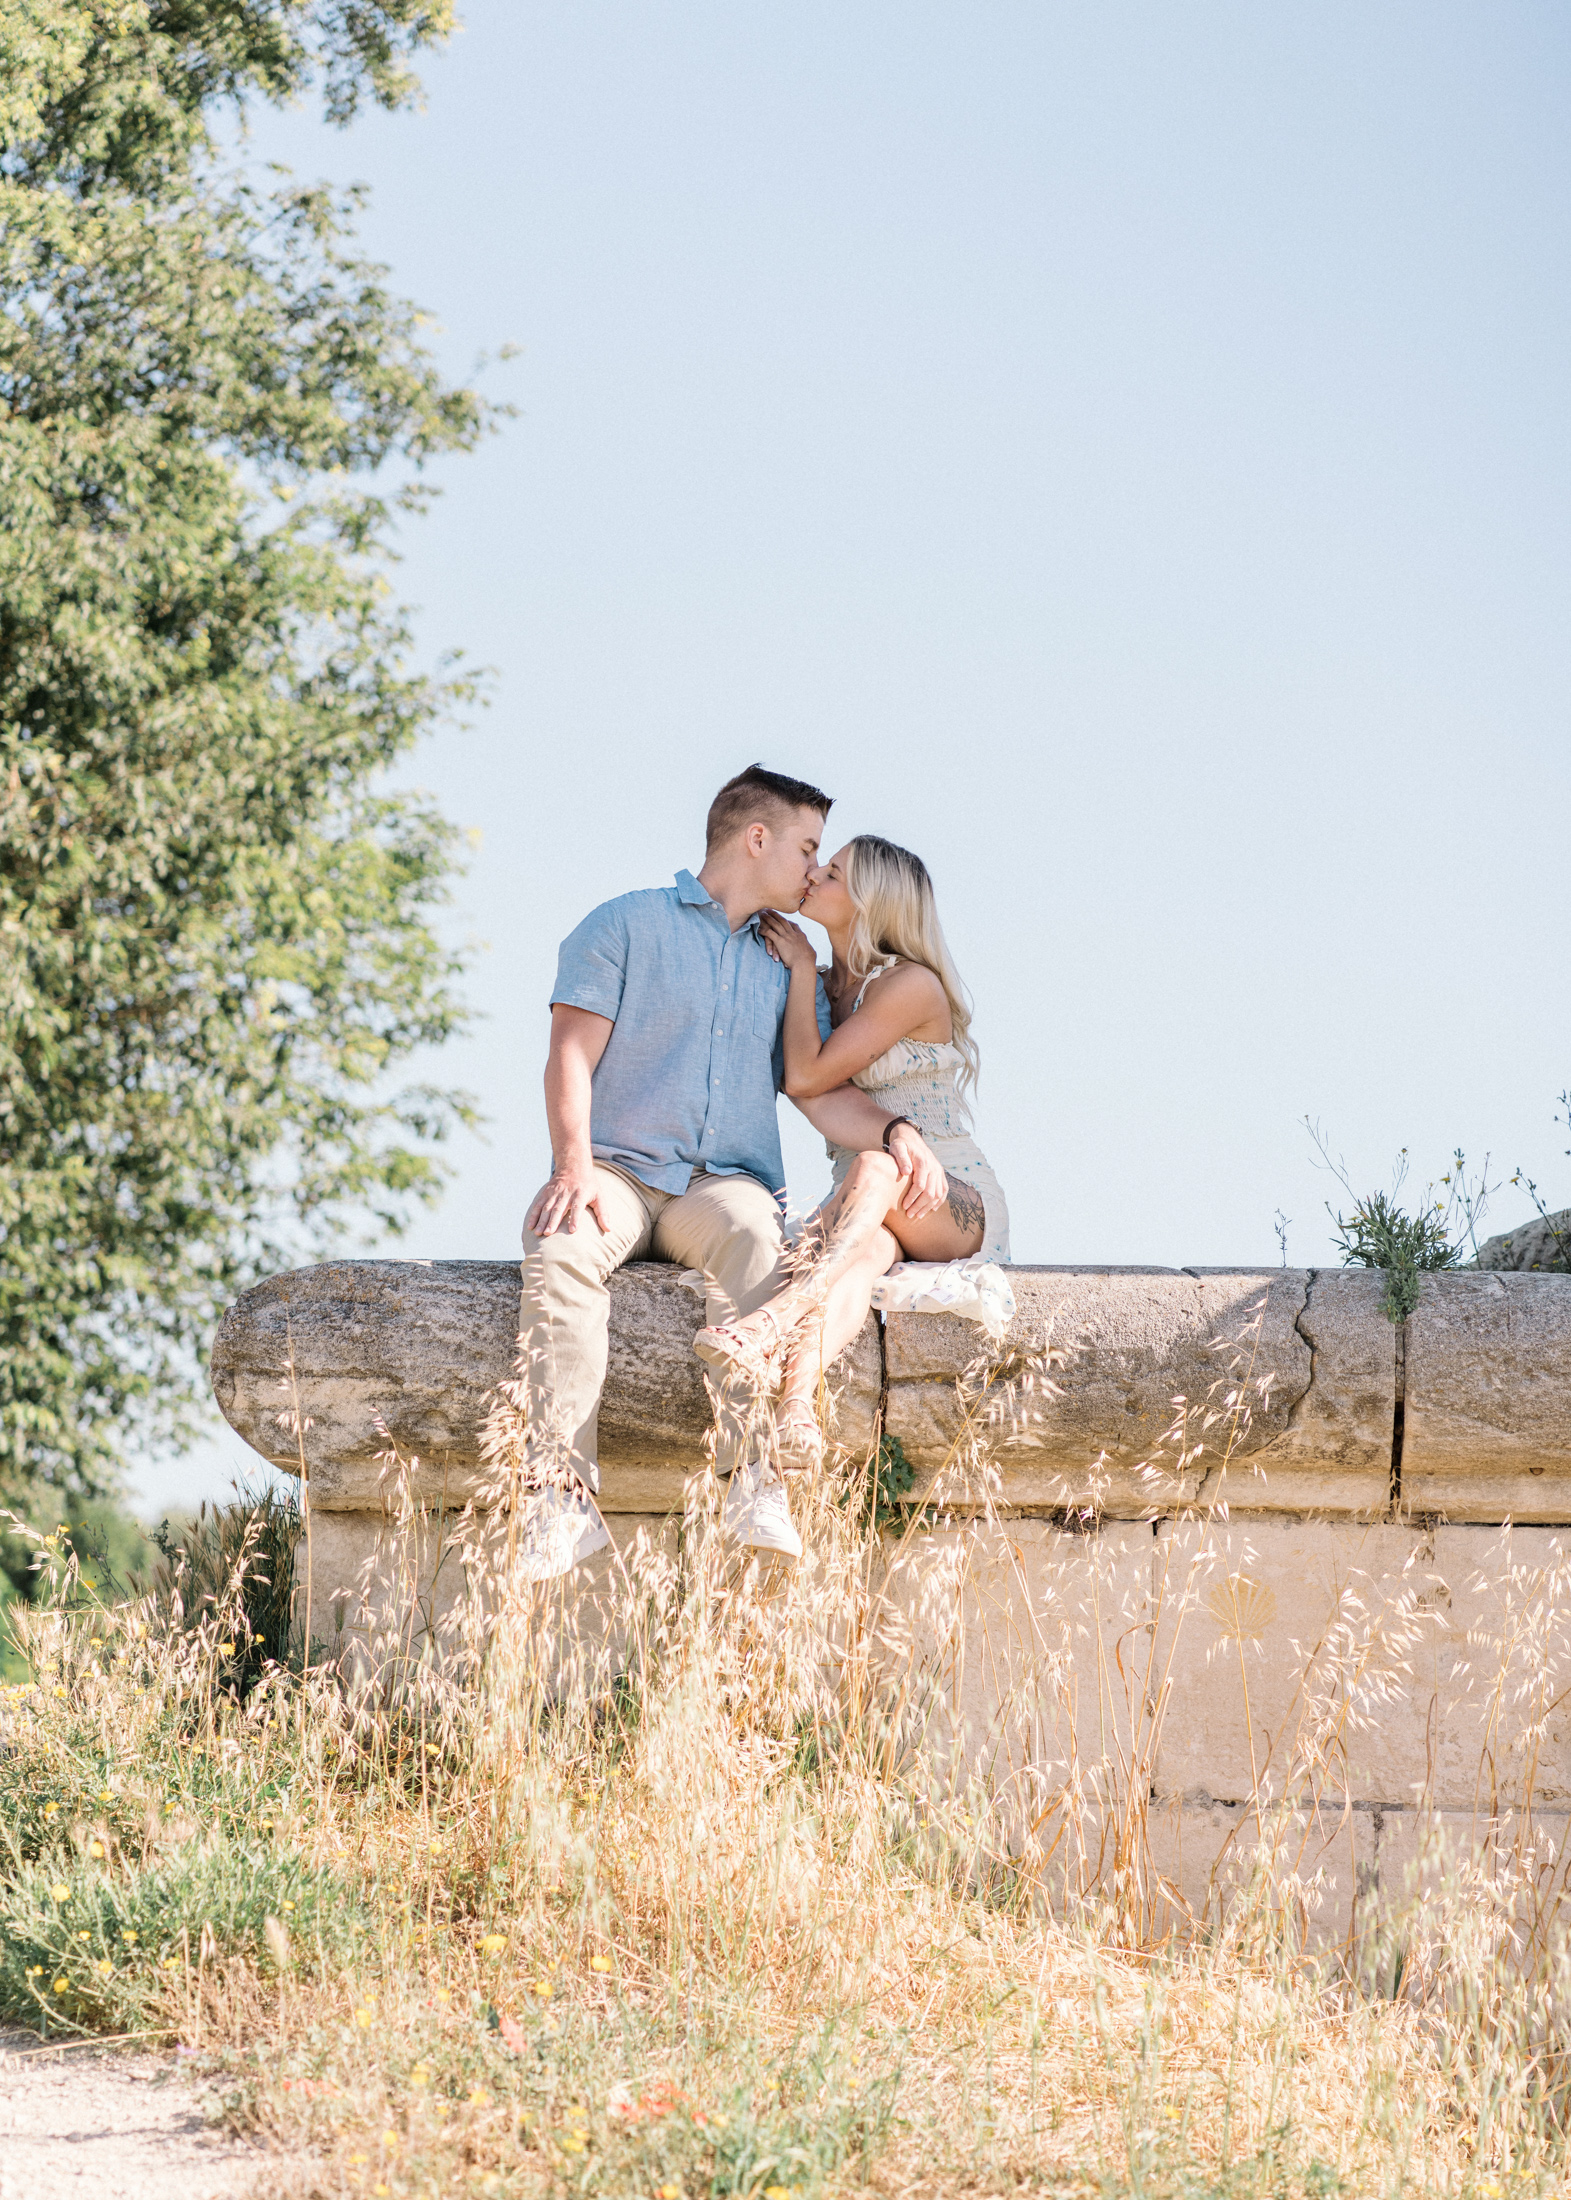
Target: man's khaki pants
x=727, y=1226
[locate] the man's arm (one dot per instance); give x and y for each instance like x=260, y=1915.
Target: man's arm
x=848, y=1117
x=578, y=1039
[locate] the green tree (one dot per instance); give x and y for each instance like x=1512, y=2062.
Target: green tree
x=215, y=936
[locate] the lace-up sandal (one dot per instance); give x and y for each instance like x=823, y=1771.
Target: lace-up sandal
x=799, y=1441
x=731, y=1350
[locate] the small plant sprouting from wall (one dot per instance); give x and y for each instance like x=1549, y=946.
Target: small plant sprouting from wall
x=1380, y=1233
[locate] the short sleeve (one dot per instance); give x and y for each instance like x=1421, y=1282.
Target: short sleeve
x=825, y=1021
x=591, y=966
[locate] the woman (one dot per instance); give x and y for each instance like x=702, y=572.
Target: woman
x=901, y=1030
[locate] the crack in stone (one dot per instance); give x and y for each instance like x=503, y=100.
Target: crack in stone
x=1311, y=1278
x=1399, y=1422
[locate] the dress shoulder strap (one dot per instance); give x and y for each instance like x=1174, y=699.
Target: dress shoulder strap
x=892, y=964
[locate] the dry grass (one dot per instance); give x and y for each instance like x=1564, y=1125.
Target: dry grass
x=716, y=1881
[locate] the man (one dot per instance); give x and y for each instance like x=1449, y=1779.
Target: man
x=660, y=1093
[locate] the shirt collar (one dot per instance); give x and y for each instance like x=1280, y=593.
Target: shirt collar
x=689, y=891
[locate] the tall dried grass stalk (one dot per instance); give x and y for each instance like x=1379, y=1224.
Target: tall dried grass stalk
x=697, y=1876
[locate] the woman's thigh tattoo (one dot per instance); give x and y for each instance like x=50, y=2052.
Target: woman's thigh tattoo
x=965, y=1205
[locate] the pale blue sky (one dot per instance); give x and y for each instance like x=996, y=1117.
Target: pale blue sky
x=1122, y=452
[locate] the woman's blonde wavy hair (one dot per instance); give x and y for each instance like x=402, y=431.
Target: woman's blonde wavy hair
x=897, y=916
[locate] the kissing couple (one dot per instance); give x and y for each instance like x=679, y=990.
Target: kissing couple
x=678, y=1016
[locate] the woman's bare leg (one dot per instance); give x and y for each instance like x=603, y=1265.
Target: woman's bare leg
x=862, y=1232
x=847, y=1227
x=822, y=1336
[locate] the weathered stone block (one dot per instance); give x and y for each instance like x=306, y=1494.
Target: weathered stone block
x=377, y=1356
x=1419, y=1855
x=1342, y=1652
x=1542, y=1243
x=990, y=1464
x=1335, y=1454
x=1487, y=1420
x=1139, y=1343
x=1201, y=1856
x=1026, y=1643
x=1501, y=1737
x=379, y=1588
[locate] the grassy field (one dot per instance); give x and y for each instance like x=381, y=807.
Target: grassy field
x=691, y=1896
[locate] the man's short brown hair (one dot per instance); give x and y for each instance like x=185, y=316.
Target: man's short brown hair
x=758, y=794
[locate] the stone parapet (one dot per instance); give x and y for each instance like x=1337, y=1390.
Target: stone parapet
x=1463, y=1413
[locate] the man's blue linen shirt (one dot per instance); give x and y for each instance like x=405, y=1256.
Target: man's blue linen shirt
x=690, y=1073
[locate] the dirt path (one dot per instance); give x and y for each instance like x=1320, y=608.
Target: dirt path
x=97, y=2124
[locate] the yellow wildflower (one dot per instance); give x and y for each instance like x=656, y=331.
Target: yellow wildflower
x=599, y=1963
x=493, y=1941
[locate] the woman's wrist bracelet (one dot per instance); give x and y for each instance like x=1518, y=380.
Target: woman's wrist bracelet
x=894, y=1124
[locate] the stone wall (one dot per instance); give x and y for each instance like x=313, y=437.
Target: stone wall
x=1365, y=1552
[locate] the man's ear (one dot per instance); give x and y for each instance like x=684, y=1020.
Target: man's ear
x=756, y=838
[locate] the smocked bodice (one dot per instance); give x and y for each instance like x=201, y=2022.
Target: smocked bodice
x=919, y=1078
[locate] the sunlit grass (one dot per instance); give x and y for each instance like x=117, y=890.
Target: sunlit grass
x=701, y=1887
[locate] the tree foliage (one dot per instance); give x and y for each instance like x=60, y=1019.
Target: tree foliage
x=214, y=918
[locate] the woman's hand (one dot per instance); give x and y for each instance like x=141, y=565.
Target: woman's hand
x=923, y=1184
x=787, y=942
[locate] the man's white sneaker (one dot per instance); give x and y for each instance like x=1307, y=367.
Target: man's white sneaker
x=756, y=1512
x=561, y=1528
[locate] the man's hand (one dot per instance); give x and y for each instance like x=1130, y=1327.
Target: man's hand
x=567, y=1193
x=578, y=1039
x=921, y=1172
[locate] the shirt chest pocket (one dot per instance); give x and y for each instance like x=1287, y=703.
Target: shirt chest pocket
x=765, y=999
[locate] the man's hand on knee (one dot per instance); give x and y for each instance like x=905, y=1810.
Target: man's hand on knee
x=570, y=1191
